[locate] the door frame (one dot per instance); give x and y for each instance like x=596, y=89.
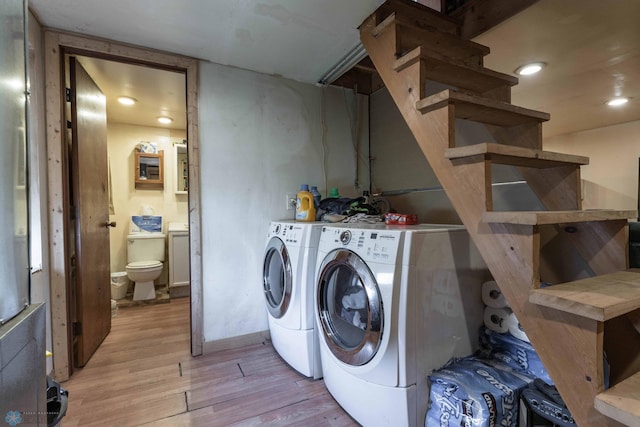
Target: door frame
x=56, y=45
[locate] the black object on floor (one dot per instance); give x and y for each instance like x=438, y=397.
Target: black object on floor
x=57, y=402
x=634, y=244
x=541, y=405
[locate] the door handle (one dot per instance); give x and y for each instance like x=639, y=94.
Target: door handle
x=110, y=224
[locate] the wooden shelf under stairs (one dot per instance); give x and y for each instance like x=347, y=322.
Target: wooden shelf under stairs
x=448, y=71
x=600, y=298
x=515, y=156
x=554, y=217
x=410, y=45
x=621, y=402
x=437, y=67
x=411, y=34
x=479, y=109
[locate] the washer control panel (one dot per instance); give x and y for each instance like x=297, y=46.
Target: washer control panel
x=370, y=244
x=288, y=233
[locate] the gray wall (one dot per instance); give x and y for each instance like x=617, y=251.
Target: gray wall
x=260, y=138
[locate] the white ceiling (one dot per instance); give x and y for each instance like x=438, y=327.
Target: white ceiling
x=298, y=39
x=592, y=47
x=158, y=92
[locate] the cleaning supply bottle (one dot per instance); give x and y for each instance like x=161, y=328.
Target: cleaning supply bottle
x=333, y=193
x=316, y=196
x=305, y=210
x=365, y=196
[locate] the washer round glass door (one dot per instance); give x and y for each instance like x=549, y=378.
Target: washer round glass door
x=276, y=277
x=349, y=307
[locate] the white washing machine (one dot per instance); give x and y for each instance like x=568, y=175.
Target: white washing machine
x=288, y=281
x=393, y=304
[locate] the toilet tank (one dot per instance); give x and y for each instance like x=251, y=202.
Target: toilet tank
x=145, y=247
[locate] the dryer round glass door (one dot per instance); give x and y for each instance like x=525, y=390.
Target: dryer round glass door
x=276, y=277
x=349, y=307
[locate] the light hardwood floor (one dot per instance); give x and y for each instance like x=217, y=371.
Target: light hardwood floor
x=143, y=374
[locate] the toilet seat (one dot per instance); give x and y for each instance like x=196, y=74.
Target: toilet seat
x=143, y=274
x=140, y=265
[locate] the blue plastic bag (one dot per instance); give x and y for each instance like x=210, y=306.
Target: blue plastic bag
x=515, y=353
x=475, y=392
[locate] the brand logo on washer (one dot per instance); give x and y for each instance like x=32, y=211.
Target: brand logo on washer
x=387, y=236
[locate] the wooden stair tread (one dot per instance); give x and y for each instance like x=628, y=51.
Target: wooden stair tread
x=452, y=72
x=410, y=36
x=599, y=298
x=515, y=156
x=555, y=217
x=420, y=15
x=479, y=109
x=622, y=401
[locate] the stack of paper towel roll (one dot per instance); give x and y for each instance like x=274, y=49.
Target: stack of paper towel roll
x=497, y=314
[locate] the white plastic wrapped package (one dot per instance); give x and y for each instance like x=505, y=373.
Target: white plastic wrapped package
x=475, y=392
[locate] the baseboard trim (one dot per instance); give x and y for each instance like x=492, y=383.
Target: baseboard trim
x=236, y=342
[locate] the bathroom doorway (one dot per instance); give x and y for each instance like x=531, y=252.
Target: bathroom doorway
x=150, y=126
x=143, y=120
x=58, y=46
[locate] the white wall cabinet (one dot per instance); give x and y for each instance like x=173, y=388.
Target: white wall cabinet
x=181, y=169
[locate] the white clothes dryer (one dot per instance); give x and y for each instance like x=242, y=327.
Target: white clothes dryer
x=393, y=304
x=288, y=281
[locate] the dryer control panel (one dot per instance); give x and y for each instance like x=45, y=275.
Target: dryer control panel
x=288, y=233
x=370, y=244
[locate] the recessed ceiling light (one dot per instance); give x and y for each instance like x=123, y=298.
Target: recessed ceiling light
x=528, y=69
x=127, y=100
x=165, y=120
x=615, y=102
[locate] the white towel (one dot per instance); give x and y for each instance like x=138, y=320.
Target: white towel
x=356, y=300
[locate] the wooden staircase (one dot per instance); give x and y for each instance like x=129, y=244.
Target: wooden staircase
x=572, y=324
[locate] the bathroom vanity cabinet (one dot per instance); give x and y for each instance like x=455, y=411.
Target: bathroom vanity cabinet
x=179, y=277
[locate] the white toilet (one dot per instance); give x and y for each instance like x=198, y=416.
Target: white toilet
x=145, y=253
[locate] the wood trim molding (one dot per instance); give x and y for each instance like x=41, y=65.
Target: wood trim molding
x=56, y=175
x=58, y=43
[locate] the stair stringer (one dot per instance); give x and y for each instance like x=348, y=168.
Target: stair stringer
x=570, y=346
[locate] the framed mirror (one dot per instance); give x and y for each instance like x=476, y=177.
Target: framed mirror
x=149, y=170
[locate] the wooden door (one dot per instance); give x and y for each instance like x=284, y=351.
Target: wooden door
x=90, y=206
